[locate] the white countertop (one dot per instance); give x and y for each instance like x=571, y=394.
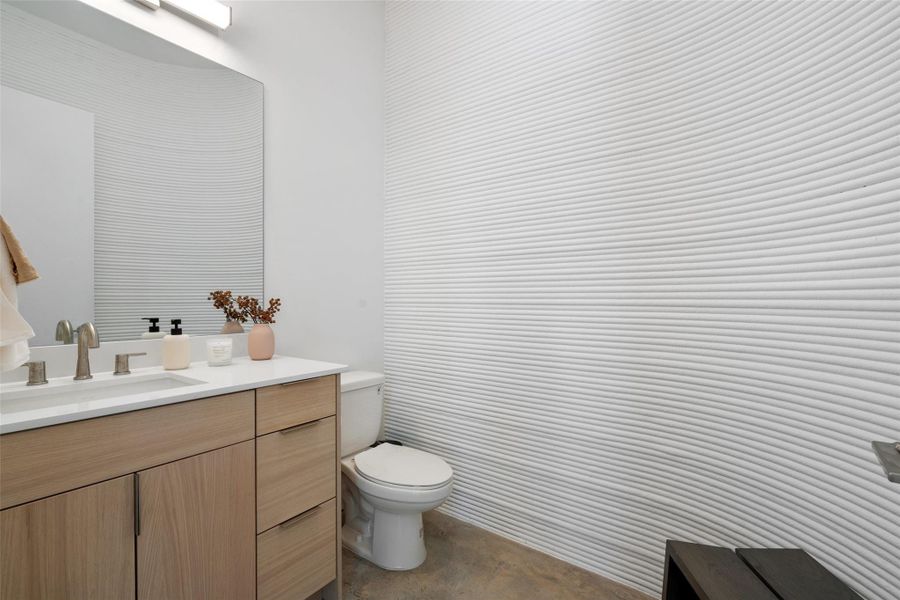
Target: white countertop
x=243, y=374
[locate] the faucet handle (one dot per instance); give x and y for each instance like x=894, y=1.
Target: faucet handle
x=37, y=372
x=122, y=362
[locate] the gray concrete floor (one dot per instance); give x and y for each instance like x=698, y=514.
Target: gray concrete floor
x=468, y=563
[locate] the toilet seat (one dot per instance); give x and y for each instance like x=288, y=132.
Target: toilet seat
x=402, y=466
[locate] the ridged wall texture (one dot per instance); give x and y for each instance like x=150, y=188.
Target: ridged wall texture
x=642, y=274
x=178, y=180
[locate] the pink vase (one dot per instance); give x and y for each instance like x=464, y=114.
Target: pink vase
x=232, y=327
x=261, y=342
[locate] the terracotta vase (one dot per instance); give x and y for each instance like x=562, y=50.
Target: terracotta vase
x=232, y=327
x=261, y=342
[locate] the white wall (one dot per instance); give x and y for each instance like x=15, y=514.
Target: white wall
x=322, y=67
x=642, y=274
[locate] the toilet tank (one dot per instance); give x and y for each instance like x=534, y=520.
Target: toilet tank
x=361, y=410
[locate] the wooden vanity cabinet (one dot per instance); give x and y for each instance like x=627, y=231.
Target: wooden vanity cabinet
x=230, y=497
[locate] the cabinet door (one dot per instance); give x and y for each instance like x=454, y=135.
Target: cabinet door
x=77, y=545
x=196, y=527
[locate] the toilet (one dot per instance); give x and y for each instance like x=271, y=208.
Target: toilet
x=386, y=488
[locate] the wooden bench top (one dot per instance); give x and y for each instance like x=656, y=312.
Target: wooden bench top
x=717, y=573
x=795, y=575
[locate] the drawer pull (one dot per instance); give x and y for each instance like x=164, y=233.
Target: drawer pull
x=302, y=516
x=298, y=382
x=137, y=503
x=299, y=427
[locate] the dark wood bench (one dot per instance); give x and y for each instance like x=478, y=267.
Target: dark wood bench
x=701, y=572
x=795, y=575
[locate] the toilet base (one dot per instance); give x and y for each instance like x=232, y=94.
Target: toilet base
x=396, y=542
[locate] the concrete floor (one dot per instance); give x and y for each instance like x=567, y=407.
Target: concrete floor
x=468, y=563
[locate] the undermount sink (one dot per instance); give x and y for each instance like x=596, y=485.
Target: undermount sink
x=72, y=392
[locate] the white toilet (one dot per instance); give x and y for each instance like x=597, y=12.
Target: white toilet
x=385, y=489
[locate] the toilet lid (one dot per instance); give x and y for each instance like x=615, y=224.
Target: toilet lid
x=402, y=465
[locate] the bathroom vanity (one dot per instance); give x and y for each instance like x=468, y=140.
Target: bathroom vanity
x=227, y=488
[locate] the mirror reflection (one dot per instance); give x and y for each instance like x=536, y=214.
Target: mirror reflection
x=132, y=174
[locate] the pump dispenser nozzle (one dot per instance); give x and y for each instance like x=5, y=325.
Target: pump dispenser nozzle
x=153, y=332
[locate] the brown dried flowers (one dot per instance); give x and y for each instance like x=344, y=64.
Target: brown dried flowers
x=244, y=308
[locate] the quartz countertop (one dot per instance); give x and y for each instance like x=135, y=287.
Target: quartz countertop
x=21, y=406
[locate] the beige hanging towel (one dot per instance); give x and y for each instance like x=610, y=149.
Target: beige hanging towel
x=23, y=270
x=14, y=335
x=14, y=329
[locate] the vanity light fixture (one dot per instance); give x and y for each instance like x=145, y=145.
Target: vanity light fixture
x=209, y=11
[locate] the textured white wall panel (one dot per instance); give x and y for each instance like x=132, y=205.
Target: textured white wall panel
x=178, y=173
x=642, y=269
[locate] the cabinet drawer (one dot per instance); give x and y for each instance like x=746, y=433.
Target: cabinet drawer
x=299, y=557
x=295, y=471
x=289, y=404
x=50, y=460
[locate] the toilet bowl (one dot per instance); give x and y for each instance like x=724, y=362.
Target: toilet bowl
x=386, y=488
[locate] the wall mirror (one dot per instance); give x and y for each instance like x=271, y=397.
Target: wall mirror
x=132, y=173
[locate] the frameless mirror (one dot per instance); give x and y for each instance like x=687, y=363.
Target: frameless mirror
x=131, y=171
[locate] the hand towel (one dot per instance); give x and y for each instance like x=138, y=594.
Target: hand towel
x=14, y=335
x=22, y=268
x=14, y=329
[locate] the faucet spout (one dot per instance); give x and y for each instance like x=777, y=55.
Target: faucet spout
x=87, y=338
x=64, y=331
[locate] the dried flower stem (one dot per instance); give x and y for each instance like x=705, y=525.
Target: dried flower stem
x=224, y=301
x=251, y=308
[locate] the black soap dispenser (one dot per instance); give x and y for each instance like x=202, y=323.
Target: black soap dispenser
x=153, y=332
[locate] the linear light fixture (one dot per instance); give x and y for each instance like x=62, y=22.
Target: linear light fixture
x=209, y=11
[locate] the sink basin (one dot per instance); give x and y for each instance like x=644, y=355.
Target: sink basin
x=60, y=393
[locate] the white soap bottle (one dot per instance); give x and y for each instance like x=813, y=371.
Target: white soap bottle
x=153, y=332
x=176, y=349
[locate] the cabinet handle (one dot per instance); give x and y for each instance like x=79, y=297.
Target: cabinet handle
x=301, y=517
x=299, y=427
x=137, y=504
x=290, y=383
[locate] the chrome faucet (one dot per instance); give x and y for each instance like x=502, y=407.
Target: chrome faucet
x=87, y=338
